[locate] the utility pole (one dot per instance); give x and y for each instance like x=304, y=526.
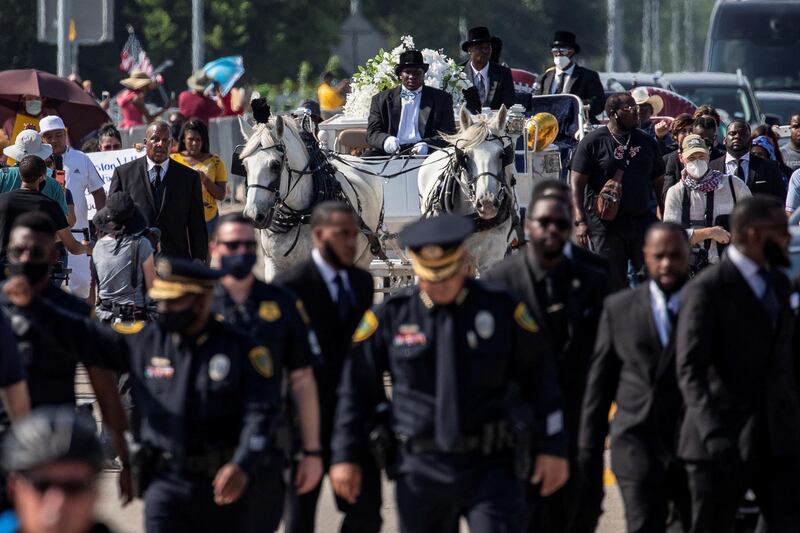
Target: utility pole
x=198, y=48
x=64, y=52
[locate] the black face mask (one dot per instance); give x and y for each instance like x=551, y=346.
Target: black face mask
x=330, y=256
x=177, y=321
x=239, y=266
x=775, y=254
x=33, y=272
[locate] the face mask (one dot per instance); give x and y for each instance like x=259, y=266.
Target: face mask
x=177, y=321
x=775, y=254
x=561, y=61
x=239, y=266
x=33, y=107
x=33, y=272
x=697, y=169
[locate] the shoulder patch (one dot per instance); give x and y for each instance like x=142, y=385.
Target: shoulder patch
x=269, y=311
x=129, y=328
x=301, y=310
x=367, y=326
x=261, y=360
x=524, y=319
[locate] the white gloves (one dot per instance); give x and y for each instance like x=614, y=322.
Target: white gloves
x=421, y=148
x=390, y=145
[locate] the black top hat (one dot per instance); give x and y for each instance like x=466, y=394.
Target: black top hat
x=120, y=216
x=479, y=34
x=565, y=39
x=411, y=59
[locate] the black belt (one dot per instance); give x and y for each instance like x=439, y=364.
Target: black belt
x=495, y=437
x=124, y=310
x=205, y=464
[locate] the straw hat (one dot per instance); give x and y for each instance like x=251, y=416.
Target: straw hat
x=138, y=79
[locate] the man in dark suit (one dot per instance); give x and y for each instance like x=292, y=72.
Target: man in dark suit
x=760, y=175
x=336, y=295
x=168, y=194
x=736, y=373
x=566, y=77
x=493, y=83
x=566, y=298
x=636, y=338
x=409, y=116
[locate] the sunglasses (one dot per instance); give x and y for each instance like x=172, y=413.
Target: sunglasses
x=35, y=255
x=235, y=245
x=560, y=51
x=70, y=487
x=561, y=224
x=629, y=108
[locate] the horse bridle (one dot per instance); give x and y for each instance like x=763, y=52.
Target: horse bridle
x=506, y=159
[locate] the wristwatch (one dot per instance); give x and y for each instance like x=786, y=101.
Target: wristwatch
x=312, y=453
x=579, y=222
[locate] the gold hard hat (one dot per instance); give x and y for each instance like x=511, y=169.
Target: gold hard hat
x=547, y=126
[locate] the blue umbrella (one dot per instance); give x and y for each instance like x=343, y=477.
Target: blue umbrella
x=226, y=71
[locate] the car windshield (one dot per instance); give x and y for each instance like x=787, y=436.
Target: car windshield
x=782, y=108
x=731, y=99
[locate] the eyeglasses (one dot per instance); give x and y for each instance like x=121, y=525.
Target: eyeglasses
x=561, y=224
x=560, y=51
x=232, y=246
x=35, y=254
x=629, y=108
x=70, y=487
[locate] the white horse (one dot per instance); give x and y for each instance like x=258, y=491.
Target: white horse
x=280, y=189
x=479, y=163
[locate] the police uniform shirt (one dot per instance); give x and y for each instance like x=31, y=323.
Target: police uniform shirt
x=274, y=317
x=497, y=343
x=210, y=392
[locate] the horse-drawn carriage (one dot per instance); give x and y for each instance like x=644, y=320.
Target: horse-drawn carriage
x=488, y=172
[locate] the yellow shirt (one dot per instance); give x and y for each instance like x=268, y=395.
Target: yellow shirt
x=214, y=168
x=328, y=98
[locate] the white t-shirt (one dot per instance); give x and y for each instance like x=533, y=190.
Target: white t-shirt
x=82, y=179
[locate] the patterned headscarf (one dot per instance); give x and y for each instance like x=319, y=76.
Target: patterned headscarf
x=764, y=142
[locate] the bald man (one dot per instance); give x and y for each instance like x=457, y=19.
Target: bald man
x=168, y=194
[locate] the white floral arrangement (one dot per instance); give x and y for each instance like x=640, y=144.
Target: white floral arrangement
x=378, y=75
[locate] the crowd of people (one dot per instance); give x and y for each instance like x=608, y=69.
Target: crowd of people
x=652, y=285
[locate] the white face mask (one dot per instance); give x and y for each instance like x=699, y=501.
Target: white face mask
x=33, y=107
x=697, y=168
x=561, y=61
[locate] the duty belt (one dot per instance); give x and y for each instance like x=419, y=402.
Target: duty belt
x=205, y=464
x=124, y=311
x=494, y=438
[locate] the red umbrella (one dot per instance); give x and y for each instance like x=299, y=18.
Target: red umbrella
x=81, y=114
x=674, y=103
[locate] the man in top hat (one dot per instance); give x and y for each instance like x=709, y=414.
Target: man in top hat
x=411, y=116
x=492, y=81
x=473, y=385
x=566, y=77
x=81, y=179
x=193, y=102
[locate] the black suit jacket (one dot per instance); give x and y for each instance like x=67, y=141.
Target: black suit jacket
x=501, y=86
x=735, y=371
x=763, y=176
x=180, y=218
x=584, y=303
x=435, y=115
x=672, y=171
x=631, y=367
x=584, y=83
x=333, y=334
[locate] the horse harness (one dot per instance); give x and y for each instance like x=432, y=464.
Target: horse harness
x=282, y=218
x=443, y=194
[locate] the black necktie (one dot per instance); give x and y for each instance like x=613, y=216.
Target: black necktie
x=560, y=83
x=768, y=298
x=157, y=181
x=447, y=424
x=343, y=303
x=740, y=170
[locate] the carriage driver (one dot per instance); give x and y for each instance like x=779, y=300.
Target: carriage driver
x=475, y=400
x=409, y=117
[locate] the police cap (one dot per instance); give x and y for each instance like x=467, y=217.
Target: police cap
x=436, y=245
x=179, y=277
x=49, y=434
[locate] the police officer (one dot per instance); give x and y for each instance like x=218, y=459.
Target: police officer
x=206, y=400
x=462, y=423
x=275, y=317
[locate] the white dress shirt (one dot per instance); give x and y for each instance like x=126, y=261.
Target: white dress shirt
x=748, y=269
x=408, y=130
x=567, y=75
x=659, y=306
x=484, y=72
x=730, y=164
x=151, y=170
x=329, y=273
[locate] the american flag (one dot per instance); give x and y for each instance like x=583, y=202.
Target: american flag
x=133, y=57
